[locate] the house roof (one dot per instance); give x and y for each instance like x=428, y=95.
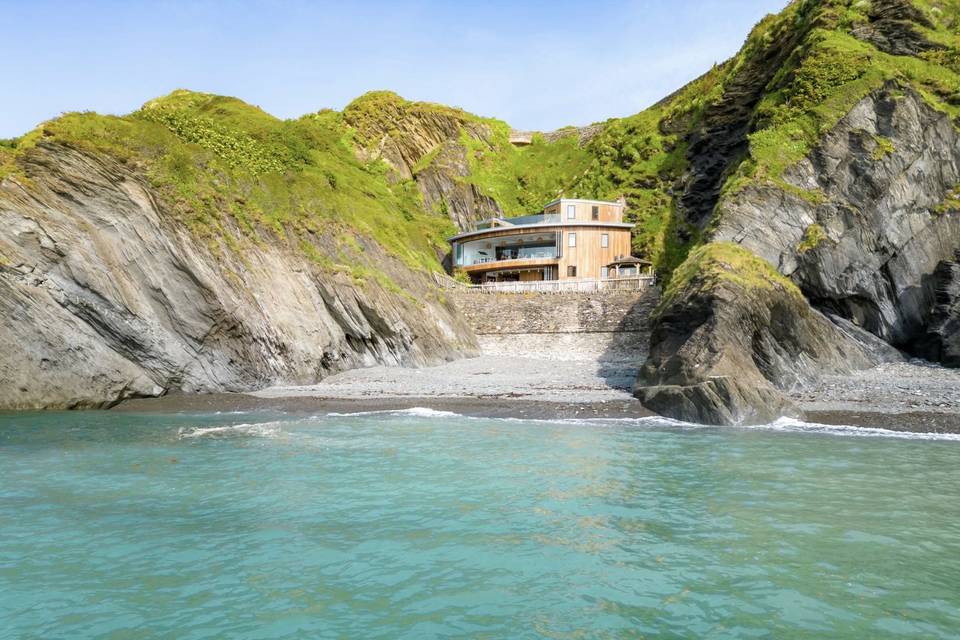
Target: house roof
x=584, y=201
x=534, y=227
x=629, y=260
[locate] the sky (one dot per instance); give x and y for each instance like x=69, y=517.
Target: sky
x=536, y=64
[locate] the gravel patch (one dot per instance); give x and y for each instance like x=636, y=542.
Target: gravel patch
x=894, y=388
x=548, y=380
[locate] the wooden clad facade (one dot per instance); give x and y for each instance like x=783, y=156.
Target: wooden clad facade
x=571, y=239
x=589, y=256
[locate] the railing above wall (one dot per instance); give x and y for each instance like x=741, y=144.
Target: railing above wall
x=586, y=285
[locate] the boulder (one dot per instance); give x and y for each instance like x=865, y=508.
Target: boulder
x=731, y=335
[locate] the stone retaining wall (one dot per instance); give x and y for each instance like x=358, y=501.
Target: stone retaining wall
x=513, y=313
x=606, y=326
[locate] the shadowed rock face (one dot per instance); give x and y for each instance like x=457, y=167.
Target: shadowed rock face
x=105, y=297
x=724, y=348
x=444, y=188
x=718, y=144
x=882, y=175
x=892, y=28
x=940, y=342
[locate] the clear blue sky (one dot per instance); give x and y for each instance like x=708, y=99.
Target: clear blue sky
x=537, y=64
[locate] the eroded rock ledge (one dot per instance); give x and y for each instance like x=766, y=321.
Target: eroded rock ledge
x=106, y=296
x=731, y=335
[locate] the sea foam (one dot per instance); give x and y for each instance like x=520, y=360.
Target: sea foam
x=260, y=430
x=416, y=412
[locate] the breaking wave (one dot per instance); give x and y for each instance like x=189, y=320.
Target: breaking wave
x=790, y=425
x=257, y=430
x=416, y=412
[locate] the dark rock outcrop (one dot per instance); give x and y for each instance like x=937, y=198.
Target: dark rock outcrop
x=892, y=28
x=876, y=225
x=716, y=146
x=444, y=188
x=732, y=336
x=940, y=342
x=105, y=296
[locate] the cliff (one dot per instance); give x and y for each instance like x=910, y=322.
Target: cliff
x=800, y=202
x=831, y=153
x=128, y=272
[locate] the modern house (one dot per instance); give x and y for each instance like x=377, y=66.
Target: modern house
x=571, y=239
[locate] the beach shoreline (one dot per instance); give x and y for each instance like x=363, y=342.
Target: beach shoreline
x=912, y=397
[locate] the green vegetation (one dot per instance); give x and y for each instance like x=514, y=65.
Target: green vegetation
x=830, y=73
x=710, y=264
x=523, y=179
x=883, y=149
x=950, y=204
x=461, y=276
x=812, y=236
x=233, y=173
x=377, y=113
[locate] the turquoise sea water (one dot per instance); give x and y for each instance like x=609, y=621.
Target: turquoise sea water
x=427, y=525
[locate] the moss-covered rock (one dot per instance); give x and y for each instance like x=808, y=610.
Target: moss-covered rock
x=731, y=335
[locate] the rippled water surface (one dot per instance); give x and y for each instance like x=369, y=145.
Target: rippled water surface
x=420, y=525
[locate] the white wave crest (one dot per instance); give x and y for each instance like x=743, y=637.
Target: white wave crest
x=257, y=430
x=792, y=424
x=416, y=412
x=782, y=424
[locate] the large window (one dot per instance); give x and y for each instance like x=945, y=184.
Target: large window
x=527, y=251
x=571, y=239
x=571, y=212
x=604, y=272
x=604, y=240
x=595, y=213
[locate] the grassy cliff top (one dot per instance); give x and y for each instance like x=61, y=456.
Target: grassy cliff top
x=837, y=65
x=233, y=173
x=715, y=263
x=224, y=164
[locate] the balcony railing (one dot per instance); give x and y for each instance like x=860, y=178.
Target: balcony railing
x=586, y=285
x=514, y=255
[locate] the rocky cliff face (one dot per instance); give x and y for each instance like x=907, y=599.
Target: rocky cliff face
x=732, y=334
x=423, y=142
x=876, y=225
x=105, y=296
x=444, y=189
x=940, y=341
x=201, y=244
x=842, y=174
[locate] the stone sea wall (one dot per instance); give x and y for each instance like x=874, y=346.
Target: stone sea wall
x=576, y=326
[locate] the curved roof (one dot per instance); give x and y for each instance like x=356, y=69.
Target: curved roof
x=549, y=225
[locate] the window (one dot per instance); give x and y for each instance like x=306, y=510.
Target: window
x=595, y=213
x=571, y=271
x=571, y=239
x=604, y=272
x=604, y=240
x=571, y=212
